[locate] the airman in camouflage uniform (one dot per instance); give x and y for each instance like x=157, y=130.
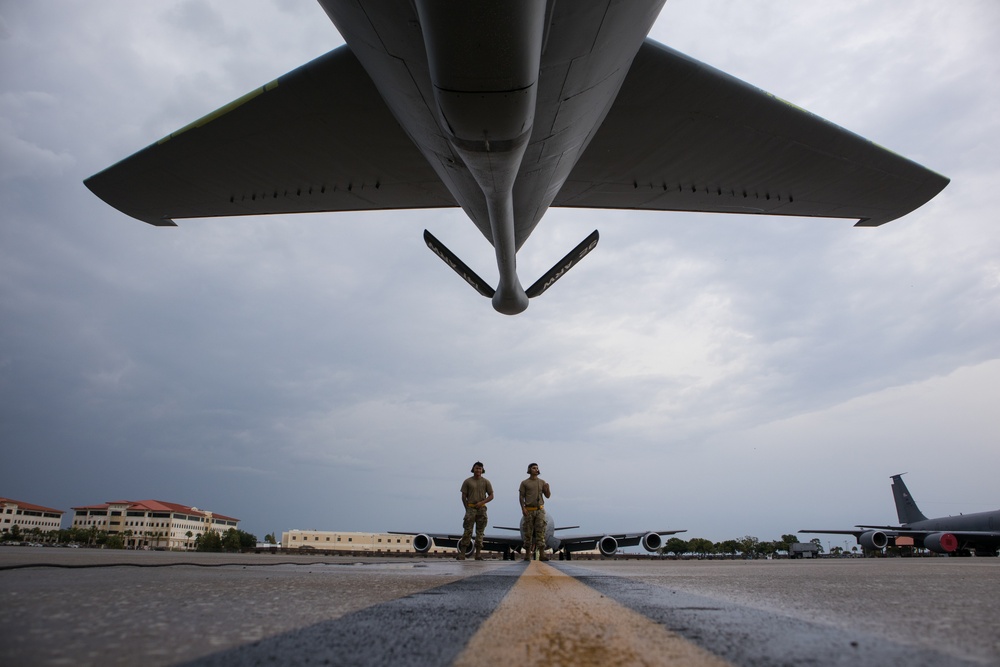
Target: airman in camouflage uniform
x=476, y=492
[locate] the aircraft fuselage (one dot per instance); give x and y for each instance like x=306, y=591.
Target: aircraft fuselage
x=466, y=81
x=979, y=521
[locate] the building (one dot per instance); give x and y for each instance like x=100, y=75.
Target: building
x=27, y=516
x=152, y=523
x=324, y=540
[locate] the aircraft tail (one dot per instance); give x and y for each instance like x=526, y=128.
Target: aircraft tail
x=906, y=508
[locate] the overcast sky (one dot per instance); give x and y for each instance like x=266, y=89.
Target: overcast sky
x=730, y=375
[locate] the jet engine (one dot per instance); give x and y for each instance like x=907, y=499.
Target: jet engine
x=652, y=541
x=608, y=545
x=941, y=543
x=873, y=539
x=422, y=543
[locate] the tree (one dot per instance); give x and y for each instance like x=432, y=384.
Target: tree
x=819, y=545
x=231, y=541
x=79, y=535
x=157, y=536
x=767, y=549
x=247, y=540
x=189, y=535
x=210, y=541
x=748, y=546
x=269, y=538
x=701, y=546
x=676, y=546
x=727, y=547
x=237, y=540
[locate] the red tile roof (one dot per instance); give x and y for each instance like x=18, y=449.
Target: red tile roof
x=156, y=506
x=29, y=506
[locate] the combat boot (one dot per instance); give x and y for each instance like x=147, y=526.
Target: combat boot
x=527, y=552
x=479, y=556
x=542, y=556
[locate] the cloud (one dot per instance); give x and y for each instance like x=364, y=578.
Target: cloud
x=698, y=371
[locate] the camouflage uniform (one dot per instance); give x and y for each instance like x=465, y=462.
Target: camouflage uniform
x=474, y=491
x=531, y=492
x=474, y=516
x=534, y=528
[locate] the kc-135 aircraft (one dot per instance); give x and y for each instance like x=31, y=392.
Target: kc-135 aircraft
x=956, y=535
x=506, y=108
x=607, y=543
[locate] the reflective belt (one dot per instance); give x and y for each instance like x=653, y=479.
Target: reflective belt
x=533, y=509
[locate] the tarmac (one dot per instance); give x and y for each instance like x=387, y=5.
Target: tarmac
x=90, y=606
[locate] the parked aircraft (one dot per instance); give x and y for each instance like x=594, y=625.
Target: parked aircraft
x=607, y=543
x=956, y=535
x=505, y=109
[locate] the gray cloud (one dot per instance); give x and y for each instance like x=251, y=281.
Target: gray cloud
x=696, y=371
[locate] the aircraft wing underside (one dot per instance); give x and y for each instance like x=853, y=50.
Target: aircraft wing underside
x=500, y=543
x=574, y=543
x=319, y=138
x=683, y=136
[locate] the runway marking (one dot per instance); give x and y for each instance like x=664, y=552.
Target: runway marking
x=549, y=618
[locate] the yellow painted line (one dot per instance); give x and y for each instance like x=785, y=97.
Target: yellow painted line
x=549, y=618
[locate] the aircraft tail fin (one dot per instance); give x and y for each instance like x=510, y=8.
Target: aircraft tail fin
x=563, y=265
x=906, y=507
x=458, y=266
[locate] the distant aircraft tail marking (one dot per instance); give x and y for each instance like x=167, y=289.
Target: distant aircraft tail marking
x=906, y=508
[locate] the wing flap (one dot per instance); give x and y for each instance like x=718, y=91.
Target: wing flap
x=683, y=136
x=319, y=138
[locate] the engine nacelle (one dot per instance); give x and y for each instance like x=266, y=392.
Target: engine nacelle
x=422, y=543
x=651, y=541
x=608, y=545
x=941, y=543
x=873, y=539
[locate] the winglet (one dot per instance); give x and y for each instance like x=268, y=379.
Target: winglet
x=458, y=266
x=563, y=265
